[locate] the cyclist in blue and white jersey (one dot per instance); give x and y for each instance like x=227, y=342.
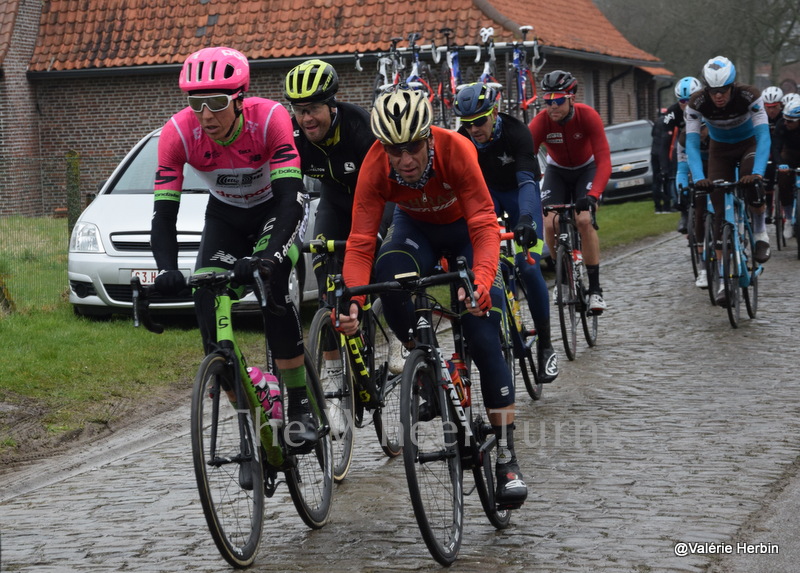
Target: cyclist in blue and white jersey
x=738, y=129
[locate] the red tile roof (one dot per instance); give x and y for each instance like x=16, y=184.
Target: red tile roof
x=8, y=14
x=116, y=33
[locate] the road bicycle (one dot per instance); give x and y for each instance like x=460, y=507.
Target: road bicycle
x=237, y=449
x=420, y=74
x=450, y=80
x=359, y=381
x=701, y=249
x=739, y=271
x=521, y=78
x=489, y=74
x=572, y=288
x=515, y=334
x=444, y=433
x=390, y=65
x=780, y=214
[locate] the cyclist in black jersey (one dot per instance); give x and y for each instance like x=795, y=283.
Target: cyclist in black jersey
x=511, y=171
x=786, y=151
x=332, y=137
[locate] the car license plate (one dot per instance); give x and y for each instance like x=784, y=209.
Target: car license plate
x=146, y=277
x=631, y=182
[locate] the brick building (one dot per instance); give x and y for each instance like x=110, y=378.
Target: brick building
x=93, y=77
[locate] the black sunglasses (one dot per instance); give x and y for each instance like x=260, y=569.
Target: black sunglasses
x=411, y=147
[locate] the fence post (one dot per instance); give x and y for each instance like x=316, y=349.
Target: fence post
x=73, y=188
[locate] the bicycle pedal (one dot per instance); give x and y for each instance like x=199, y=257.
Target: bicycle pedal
x=508, y=506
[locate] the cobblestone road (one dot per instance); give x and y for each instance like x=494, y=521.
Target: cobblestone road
x=675, y=428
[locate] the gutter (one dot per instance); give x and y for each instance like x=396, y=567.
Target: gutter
x=610, y=92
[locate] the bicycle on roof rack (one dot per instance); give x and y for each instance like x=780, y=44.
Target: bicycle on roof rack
x=450, y=78
x=521, y=77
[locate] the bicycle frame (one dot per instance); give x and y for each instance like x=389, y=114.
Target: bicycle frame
x=735, y=215
x=523, y=76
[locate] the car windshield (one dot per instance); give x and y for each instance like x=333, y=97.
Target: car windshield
x=630, y=137
x=139, y=175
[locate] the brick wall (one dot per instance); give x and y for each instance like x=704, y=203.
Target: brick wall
x=102, y=118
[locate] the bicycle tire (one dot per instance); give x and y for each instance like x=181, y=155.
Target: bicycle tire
x=750, y=292
x=483, y=473
x=526, y=338
x=797, y=221
x=386, y=418
x=779, y=238
x=566, y=300
x=432, y=462
x=230, y=481
x=309, y=475
x=589, y=321
x=710, y=258
x=446, y=98
x=338, y=390
x=691, y=239
x=730, y=275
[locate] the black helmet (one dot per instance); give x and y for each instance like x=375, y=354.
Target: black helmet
x=559, y=81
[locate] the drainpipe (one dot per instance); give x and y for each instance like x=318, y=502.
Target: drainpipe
x=611, y=93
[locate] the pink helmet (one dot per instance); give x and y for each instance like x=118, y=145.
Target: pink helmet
x=217, y=68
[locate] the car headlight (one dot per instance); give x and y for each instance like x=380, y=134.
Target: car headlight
x=86, y=239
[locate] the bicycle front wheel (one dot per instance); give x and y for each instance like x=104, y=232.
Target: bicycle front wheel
x=309, y=475
x=329, y=354
x=711, y=262
x=387, y=417
x=431, y=459
x=227, y=465
x=750, y=292
x=589, y=321
x=566, y=300
x=779, y=222
x=730, y=275
x=691, y=239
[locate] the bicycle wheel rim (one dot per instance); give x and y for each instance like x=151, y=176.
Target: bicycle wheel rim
x=750, y=292
x=691, y=239
x=338, y=390
x=711, y=263
x=589, y=323
x=483, y=473
x=730, y=275
x=233, y=509
x=310, y=475
x=387, y=417
x=432, y=464
x=566, y=300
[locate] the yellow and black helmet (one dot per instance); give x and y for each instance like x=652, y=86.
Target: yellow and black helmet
x=401, y=115
x=310, y=82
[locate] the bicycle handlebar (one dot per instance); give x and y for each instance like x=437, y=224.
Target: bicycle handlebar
x=324, y=246
x=560, y=209
x=140, y=296
x=509, y=236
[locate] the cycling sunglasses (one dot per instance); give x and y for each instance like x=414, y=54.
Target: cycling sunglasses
x=683, y=100
x=411, y=147
x=555, y=98
x=716, y=91
x=477, y=121
x=215, y=103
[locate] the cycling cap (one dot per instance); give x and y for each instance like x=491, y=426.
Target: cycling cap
x=772, y=95
x=559, y=81
x=401, y=115
x=719, y=72
x=792, y=109
x=310, y=82
x=220, y=68
x=686, y=87
x=788, y=98
x=473, y=99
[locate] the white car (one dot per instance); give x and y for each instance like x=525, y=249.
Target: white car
x=110, y=242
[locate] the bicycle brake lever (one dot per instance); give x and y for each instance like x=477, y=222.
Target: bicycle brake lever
x=466, y=280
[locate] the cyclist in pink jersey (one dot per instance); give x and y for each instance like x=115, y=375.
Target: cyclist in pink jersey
x=244, y=150
x=578, y=167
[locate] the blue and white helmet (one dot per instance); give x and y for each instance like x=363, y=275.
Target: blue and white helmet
x=788, y=98
x=719, y=72
x=772, y=95
x=792, y=109
x=686, y=87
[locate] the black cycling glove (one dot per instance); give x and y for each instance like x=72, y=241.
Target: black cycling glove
x=170, y=282
x=524, y=233
x=588, y=203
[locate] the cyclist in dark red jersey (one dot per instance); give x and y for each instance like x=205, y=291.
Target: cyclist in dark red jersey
x=578, y=167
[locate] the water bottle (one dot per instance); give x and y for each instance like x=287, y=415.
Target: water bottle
x=458, y=374
x=268, y=392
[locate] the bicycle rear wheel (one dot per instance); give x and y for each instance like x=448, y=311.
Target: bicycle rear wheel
x=779, y=222
x=750, y=292
x=309, y=475
x=387, y=417
x=730, y=275
x=483, y=472
x=324, y=344
x=432, y=461
x=566, y=300
x=588, y=319
x=227, y=465
x=691, y=239
x=711, y=262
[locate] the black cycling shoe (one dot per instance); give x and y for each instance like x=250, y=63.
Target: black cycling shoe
x=428, y=409
x=511, y=489
x=246, y=475
x=548, y=365
x=301, y=429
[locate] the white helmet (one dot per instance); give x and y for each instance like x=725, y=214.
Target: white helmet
x=788, y=98
x=792, y=109
x=772, y=94
x=686, y=87
x=719, y=72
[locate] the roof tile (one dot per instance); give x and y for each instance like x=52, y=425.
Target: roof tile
x=111, y=33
